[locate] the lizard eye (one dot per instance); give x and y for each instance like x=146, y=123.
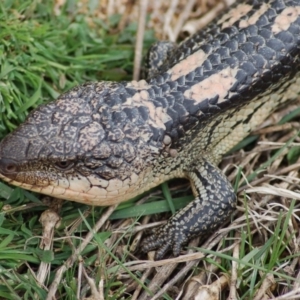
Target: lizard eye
x=63, y=165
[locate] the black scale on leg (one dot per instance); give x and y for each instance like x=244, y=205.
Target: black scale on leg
x=215, y=200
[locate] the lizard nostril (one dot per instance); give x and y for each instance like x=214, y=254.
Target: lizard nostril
x=11, y=168
x=7, y=166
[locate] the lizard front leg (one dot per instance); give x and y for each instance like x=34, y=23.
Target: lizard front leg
x=214, y=201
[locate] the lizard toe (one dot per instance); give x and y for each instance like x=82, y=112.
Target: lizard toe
x=165, y=239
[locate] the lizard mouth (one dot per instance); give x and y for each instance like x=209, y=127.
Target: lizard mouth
x=78, y=188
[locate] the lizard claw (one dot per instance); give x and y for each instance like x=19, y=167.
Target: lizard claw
x=163, y=239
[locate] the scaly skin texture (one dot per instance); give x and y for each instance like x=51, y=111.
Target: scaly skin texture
x=103, y=143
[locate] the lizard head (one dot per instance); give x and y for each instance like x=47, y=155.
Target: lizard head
x=82, y=147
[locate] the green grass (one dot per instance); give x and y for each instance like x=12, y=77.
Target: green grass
x=256, y=261
x=43, y=55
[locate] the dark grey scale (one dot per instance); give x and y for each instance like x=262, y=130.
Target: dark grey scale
x=112, y=99
x=157, y=56
x=157, y=134
x=161, y=101
x=106, y=173
x=119, y=117
x=215, y=59
x=143, y=112
x=152, y=94
x=116, y=135
x=132, y=113
x=155, y=91
x=181, y=88
x=102, y=152
x=105, y=116
x=81, y=121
